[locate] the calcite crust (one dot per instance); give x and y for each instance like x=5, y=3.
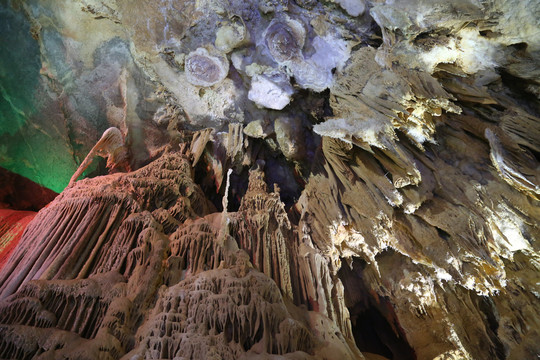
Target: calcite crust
x=285, y=179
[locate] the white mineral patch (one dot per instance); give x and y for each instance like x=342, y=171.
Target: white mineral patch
x=315, y=73
x=469, y=50
x=269, y=94
x=420, y=289
x=345, y=128
x=330, y=52
x=215, y=105
x=353, y=7
x=443, y=274
x=505, y=226
x=416, y=133
x=310, y=76
x=453, y=355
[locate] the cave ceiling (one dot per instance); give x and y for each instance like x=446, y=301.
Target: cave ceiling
x=273, y=179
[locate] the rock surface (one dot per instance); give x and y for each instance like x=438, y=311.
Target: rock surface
x=307, y=180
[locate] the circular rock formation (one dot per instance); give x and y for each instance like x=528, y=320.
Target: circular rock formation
x=230, y=36
x=205, y=69
x=285, y=39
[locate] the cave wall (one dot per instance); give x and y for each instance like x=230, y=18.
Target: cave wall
x=310, y=180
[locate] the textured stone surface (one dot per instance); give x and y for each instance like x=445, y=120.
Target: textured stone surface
x=349, y=179
x=107, y=275
x=14, y=223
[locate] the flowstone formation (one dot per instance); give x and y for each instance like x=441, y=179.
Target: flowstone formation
x=141, y=262
x=290, y=179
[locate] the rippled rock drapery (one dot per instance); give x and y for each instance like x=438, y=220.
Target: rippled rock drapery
x=312, y=180
x=108, y=276
x=13, y=225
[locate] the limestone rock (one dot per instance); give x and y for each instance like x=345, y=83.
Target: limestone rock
x=205, y=69
x=115, y=242
x=334, y=180
x=272, y=92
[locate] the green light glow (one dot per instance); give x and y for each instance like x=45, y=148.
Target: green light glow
x=30, y=145
x=19, y=71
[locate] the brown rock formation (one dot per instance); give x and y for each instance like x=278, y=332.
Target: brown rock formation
x=98, y=269
x=350, y=179
x=13, y=223
x=141, y=264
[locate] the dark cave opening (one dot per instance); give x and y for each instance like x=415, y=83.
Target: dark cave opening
x=277, y=169
x=491, y=315
x=365, y=336
x=204, y=176
x=374, y=323
x=519, y=91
